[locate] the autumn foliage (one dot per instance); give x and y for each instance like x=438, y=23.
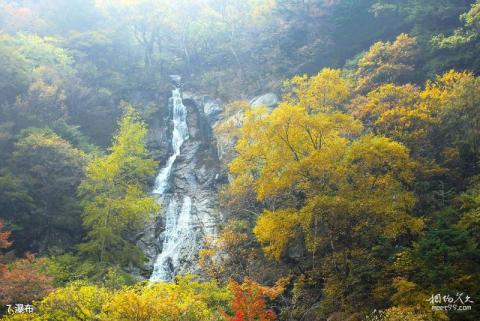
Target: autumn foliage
x=359, y=178
x=250, y=300
x=4, y=243
x=22, y=280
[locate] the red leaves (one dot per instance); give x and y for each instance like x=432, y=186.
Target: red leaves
x=249, y=303
x=21, y=281
x=4, y=243
x=239, y=316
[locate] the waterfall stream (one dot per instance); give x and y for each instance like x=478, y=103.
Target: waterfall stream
x=177, y=208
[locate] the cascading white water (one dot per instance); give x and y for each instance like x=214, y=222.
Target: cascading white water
x=179, y=136
x=178, y=217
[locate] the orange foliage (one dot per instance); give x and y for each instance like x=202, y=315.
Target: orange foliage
x=249, y=303
x=4, y=243
x=21, y=281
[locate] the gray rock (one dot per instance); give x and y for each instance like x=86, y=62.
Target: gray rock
x=177, y=79
x=269, y=100
x=160, y=128
x=213, y=110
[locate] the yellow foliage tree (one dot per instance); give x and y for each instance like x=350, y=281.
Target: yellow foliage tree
x=76, y=302
x=386, y=62
x=439, y=124
x=323, y=92
x=455, y=97
x=326, y=183
x=186, y=299
x=397, y=112
x=115, y=195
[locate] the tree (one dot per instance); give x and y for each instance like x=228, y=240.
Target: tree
x=22, y=280
x=456, y=95
x=4, y=235
x=468, y=33
x=14, y=17
x=387, y=62
x=326, y=188
x=76, y=302
x=445, y=254
x=14, y=71
x=470, y=206
x=41, y=51
x=186, y=299
x=115, y=201
x=44, y=102
x=49, y=170
x=323, y=92
x=425, y=18
x=443, y=259
x=249, y=303
x=398, y=112
x=147, y=23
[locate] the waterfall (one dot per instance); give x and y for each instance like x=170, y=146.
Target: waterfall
x=179, y=136
x=178, y=209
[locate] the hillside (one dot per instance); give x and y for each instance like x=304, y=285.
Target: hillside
x=239, y=160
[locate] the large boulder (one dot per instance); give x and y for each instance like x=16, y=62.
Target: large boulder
x=269, y=100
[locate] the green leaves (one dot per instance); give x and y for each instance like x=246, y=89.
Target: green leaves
x=115, y=198
x=42, y=190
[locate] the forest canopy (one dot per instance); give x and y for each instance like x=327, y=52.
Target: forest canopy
x=355, y=196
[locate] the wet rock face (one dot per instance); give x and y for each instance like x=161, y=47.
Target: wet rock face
x=160, y=129
x=195, y=174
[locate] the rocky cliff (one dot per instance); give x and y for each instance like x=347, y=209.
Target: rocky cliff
x=196, y=174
